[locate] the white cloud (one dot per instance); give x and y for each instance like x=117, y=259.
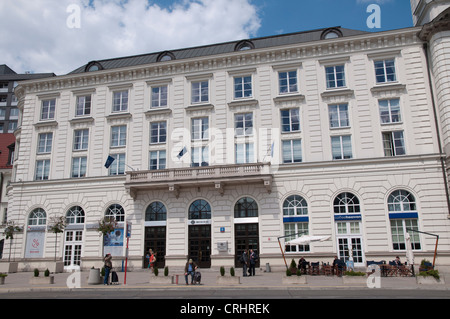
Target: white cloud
x=36, y=36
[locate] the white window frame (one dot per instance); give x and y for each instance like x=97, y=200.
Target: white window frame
x=243, y=124
x=289, y=151
x=120, y=101
x=331, y=71
x=159, y=96
x=241, y=90
x=83, y=105
x=338, y=115
x=291, y=116
x=244, y=153
x=158, y=128
x=200, y=129
x=200, y=92
x=42, y=171
x=343, y=152
x=45, y=141
x=391, y=112
x=200, y=156
x=48, y=108
x=393, y=149
x=81, y=140
x=118, y=166
x=291, y=79
x=161, y=160
x=118, y=136
x=79, y=167
x=385, y=75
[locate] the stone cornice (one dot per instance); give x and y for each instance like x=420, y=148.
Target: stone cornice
x=295, y=53
x=441, y=23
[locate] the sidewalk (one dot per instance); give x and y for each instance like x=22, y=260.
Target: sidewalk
x=16, y=282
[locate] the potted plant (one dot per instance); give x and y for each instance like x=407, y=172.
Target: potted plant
x=429, y=277
x=166, y=279
x=37, y=280
x=293, y=276
x=57, y=226
x=2, y=278
x=354, y=277
x=228, y=280
x=9, y=232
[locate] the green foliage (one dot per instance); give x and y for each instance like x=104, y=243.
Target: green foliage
x=232, y=271
x=166, y=271
x=355, y=273
x=46, y=272
x=222, y=271
x=432, y=272
x=36, y=272
x=299, y=273
x=156, y=271
x=288, y=272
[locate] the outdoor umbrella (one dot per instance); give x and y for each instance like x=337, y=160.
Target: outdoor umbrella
x=306, y=240
x=409, y=252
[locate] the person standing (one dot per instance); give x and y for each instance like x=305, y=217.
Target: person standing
x=252, y=258
x=108, y=266
x=244, y=260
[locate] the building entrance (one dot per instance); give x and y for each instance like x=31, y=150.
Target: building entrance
x=73, y=244
x=246, y=236
x=155, y=239
x=200, y=245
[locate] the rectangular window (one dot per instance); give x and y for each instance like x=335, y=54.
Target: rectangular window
x=200, y=92
x=290, y=230
x=118, y=136
x=79, y=165
x=42, y=170
x=338, y=115
x=243, y=124
x=2, y=114
x=12, y=125
x=158, y=132
x=199, y=128
x=290, y=120
x=48, y=110
x=157, y=160
x=335, y=76
x=398, y=231
x=244, y=153
x=14, y=114
x=120, y=101
x=242, y=87
x=83, y=105
x=385, y=71
x=341, y=147
x=390, y=111
x=393, y=143
x=287, y=82
x=159, y=96
x=200, y=156
x=45, y=143
x=118, y=166
x=292, y=151
x=80, y=139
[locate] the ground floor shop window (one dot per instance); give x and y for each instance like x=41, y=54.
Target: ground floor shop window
x=399, y=228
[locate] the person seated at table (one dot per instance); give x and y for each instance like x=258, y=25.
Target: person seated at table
x=397, y=261
x=338, y=265
x=302, y=263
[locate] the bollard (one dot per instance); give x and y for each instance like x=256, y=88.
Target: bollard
x=267, y=267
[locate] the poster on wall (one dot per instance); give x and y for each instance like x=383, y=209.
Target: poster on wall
x=113, y=242
x=35, y=245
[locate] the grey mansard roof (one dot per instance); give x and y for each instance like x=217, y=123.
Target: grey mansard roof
x=221, y=48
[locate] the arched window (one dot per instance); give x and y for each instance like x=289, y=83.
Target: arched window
x=401, y=201
x=295, y=205
x=165, y=56
x=200, y=209
x=37, y=217
x=245, y=207
x=244, y=45
x=75, y=215
x=346, y=203
x=116, y=211
x=156, y=211
x=93, y=66
x=331, y=33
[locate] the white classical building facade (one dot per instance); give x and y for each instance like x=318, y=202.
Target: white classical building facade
x=232, y=146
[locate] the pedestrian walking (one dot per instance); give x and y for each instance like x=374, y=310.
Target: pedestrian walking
x=252, y=258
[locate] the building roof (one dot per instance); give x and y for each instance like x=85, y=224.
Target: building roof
x=6, y=141
x=221, y=48
x=7, y=74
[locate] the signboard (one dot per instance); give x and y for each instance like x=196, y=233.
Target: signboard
x=113, y=242
x=35, y=245
x=199, y=222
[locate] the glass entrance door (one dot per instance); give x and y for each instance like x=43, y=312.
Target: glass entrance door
x=155, y=239
x=200, y=245
x=356, y=249
x=246, y=236
x=73, y=245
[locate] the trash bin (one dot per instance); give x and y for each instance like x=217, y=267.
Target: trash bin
x=267, y=267
x=94, y=277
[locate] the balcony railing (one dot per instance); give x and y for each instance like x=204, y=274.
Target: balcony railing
x=218, y=176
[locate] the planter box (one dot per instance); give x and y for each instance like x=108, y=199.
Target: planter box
x=165, y=280
x=299, y=280
x=9, y=267
x=354, y=280
x=228, y=280
x=429, y=280
x=42, y=280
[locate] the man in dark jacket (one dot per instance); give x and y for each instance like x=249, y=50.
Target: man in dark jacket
x=244, y=261
x=189, y=269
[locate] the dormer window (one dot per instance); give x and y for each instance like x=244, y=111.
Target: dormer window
x=93, y=66
x=165, y=56
x=332, y=33
x=244, y=45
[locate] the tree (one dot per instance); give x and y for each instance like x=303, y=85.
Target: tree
x=57, y=225
x=9, y=231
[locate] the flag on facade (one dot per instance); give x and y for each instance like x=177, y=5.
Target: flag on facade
x=182, y=152
x=109, y=161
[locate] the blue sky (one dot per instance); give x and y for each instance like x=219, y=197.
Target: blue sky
x=61, y=35
x=288, y=16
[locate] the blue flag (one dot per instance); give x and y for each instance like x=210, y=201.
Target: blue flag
x=109, y=161
x=182, y=152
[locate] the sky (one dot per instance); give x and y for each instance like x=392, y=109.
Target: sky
x=58, y=36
